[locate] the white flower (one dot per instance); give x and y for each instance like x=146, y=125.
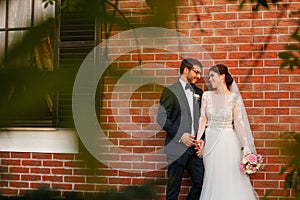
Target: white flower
x=245, y=160
x=197, y=96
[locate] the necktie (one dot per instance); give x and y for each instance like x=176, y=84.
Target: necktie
x=188, y=86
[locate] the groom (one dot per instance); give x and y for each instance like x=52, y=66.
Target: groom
x=178, y=115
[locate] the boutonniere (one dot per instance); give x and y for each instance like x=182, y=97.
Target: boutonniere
x=197, y=97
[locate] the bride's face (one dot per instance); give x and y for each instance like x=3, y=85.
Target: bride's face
x=215, y=79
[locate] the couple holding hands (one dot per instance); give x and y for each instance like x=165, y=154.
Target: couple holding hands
x=207, y=133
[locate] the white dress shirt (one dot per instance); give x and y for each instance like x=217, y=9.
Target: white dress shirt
x=189, y=95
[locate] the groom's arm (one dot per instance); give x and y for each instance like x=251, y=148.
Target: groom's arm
x=166, y=109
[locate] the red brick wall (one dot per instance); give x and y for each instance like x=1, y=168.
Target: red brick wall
x=248, y=43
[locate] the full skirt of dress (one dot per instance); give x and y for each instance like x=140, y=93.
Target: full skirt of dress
x=223, y=179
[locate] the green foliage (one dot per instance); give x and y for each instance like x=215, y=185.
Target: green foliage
x=291, y=56
x=161, y=11
x=292, y=179
x=20, y=78
x=30, y=40
x=257, y=4
x=39, y=82
x=145, y=191
x=22, y=84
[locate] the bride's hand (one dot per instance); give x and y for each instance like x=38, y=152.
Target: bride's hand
x=199, y=147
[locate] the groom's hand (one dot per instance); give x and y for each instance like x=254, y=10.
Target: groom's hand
x=188, y=139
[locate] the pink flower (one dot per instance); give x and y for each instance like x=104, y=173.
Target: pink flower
x=242, y=167
x=252, y=158
x=251, y=164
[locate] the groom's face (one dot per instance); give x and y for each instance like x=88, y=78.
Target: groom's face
x=194, y=74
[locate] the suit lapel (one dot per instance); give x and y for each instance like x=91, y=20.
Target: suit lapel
x=182, y=97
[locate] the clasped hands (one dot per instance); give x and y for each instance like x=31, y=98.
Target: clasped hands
x=189, y=140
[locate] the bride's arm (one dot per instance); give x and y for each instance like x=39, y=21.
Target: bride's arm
x=203, y=118
x=240, y=126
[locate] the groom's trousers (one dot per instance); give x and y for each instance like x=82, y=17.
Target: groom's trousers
x=194, y=165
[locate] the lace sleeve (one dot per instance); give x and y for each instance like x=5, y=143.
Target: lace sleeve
x=240, y=126
x=203, y=118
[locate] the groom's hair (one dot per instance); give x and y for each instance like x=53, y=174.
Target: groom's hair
x=189, y=63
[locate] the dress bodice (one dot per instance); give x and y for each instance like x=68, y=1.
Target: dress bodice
x=225, y=111
x=219, y=109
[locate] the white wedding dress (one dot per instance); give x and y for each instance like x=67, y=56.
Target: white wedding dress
x=223, y=179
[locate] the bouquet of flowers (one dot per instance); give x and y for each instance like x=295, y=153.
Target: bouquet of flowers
x=251, y=163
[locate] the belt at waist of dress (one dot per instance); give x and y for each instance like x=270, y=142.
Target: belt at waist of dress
x=219, y=126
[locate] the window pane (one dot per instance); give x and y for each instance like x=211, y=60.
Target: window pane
x=19, y=13
x=2, y=14
x=14, y=37
x=2, y=44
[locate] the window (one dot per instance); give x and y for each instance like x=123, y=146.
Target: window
x=30, y=94
x=22, y=102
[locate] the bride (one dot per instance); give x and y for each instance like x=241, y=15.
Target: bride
x=228, y=139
